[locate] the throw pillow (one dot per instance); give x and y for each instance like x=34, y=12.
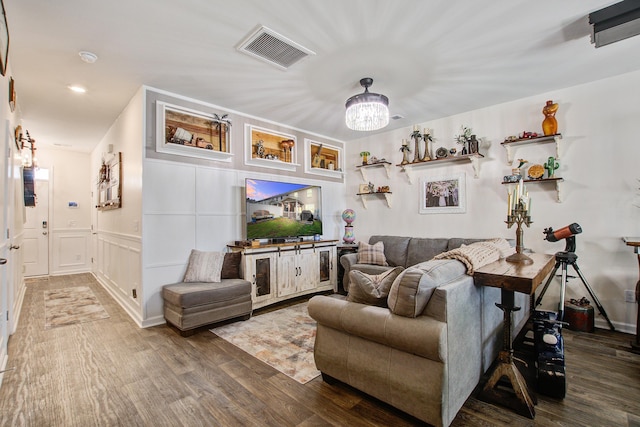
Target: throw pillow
x=371, y=254
x=371, y=289
x=231, y=265
x=411, y=291
x=204, y=266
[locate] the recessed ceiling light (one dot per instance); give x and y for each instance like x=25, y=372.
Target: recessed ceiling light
x=77, y=89
x=88, y=57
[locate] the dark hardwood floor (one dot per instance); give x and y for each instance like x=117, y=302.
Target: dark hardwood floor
x=110, y=372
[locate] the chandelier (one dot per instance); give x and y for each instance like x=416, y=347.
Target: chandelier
x=367, y=111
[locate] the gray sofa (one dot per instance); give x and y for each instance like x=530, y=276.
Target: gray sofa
x=427, y=365
x=401, y=251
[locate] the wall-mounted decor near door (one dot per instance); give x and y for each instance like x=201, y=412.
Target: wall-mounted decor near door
x=186, y=132
x=269, y=149
x=110, y=182
x=4, y=40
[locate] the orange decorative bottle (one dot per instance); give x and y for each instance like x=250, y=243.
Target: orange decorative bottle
x=550, y=124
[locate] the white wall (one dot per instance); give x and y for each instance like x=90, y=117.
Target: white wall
x=117, y=242
x=199, y=204
x=69, y=228
x=599, y=154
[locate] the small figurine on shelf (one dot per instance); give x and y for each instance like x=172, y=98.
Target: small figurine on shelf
x=473, y=144
x=405, y=151
x=518, y=170
x=372, y=188
x=464, y=139
x=551, y=166
x=365, y=157
x=260, y=149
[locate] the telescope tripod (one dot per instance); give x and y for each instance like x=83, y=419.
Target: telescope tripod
x=563, y=259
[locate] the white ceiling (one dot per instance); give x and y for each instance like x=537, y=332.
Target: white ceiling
x=432, y=58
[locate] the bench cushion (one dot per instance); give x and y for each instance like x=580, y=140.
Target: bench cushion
x=193, y=294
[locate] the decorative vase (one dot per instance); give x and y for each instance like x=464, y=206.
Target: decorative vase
x=348, y=234
x=365, y=159
x=550, y=124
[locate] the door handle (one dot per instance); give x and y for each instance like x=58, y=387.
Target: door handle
x=3, y=261
x=14, y=247
x=44, y=233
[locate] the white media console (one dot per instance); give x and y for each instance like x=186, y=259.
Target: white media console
x=283, y=271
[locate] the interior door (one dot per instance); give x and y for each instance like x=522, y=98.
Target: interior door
x=36, y=233
x=5, y=171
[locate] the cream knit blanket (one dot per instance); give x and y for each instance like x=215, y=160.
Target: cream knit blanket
x=478, y=254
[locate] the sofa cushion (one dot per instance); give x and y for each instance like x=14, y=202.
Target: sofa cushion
x=413, y=288
x=204, y=266
x=371, y=289
x=423, y=249
x=231, y=265
x=185, y=295
x=371, y=254
x=395, y=249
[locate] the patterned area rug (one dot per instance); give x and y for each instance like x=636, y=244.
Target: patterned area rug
x=283, y=339
x=71, y=305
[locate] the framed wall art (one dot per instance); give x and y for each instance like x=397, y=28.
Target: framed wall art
x=270, y=149
x=443, y=194
x=322, y=159
x=109, y=185
x=186, y=132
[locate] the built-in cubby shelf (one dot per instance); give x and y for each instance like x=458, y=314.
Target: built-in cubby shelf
x=387, y=196
x=511, y=145
x=473, y=158
x=554, y=180
x=363, y=168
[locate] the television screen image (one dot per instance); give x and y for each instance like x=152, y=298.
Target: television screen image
x=276, y=209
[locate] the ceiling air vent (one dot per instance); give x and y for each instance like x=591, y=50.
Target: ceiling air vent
x=274, y=48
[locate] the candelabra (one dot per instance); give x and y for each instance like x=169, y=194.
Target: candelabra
x=417, y=136
x=427, y=152
x=519, y=214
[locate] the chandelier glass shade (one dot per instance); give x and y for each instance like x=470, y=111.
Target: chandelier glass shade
x=367, y=111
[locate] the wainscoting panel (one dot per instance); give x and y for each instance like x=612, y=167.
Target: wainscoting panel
x=118, y=270
x=70, y=251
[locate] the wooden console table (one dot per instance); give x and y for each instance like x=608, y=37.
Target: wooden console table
x=511, y=278
x=635, y=243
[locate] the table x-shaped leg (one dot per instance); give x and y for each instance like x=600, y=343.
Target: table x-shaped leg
x=519, y=399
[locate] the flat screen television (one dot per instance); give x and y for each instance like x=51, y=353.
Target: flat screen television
x=278, y=209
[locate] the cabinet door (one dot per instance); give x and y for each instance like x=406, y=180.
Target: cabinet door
x=288, y=273
x=308, y=270
x=326, y=270
x=261, y=270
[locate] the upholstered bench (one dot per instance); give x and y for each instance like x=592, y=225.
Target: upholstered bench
x=210, y=292
x=188, y=306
